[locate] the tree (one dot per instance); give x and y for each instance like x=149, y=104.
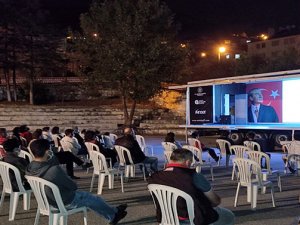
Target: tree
x=132, y=44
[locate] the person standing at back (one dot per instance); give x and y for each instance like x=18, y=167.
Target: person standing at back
x=179, y=175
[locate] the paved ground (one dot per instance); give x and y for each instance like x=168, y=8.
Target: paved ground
x=141, y=209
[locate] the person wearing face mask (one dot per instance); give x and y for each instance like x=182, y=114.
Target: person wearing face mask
x=12, y=148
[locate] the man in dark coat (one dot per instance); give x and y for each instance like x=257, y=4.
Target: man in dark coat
x=137, y=155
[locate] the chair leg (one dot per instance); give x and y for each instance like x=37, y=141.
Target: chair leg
x=110, y=181
x=122, y=183
x=279, y=182
x=92, y=182
x=100, y=183
x=144, y=173
x=85, y=217
x=237, y=194
x=14, y=199
x=26, y=200
x=233, y=172
x=249, y=194
x=212, y=172
x=37, y=217
x=272, y=195
x=254, y=196
x=2, y=197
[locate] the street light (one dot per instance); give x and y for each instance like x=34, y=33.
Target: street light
x=221, y=49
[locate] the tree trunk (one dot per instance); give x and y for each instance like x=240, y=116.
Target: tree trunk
x=31, y=99
x=6, y=75
x=14, y=75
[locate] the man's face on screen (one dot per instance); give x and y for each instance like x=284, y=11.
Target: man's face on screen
x=256, y=96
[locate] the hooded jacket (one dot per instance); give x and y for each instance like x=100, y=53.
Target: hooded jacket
x=51, y=171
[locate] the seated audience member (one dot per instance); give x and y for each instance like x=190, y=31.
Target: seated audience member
x=3, y=138
x=211, y=152
x=11, y=146
x=170, y=137
x=25, y=133
x=70, y=143
x=47, y=134
x=56, y=137
x=83, y=149
x=179, y=175
x=45, y=167
x=137, y=155
x=67, y=158
x=294, y=149
x=16, y=134
x=107, y=141
x=90, y=136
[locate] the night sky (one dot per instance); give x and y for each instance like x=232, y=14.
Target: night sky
x=204, y=17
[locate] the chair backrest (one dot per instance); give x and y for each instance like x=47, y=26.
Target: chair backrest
x=91, y=147
x=195, y=142
x=23, y=141
x=166, y=197
x=4, y=172
x=196, y=151
x=141, y=140
x=121, y=155
x=286, y=148
x=258, y=157
x=239, y=151
x=167, y=155
x=223, y=145
x=168, y=146
x=25, y=155
x=246, y=168
x=252, y=145
x=38, y=186
x=99, y=162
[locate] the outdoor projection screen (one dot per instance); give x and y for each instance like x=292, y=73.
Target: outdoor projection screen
x=291, y=101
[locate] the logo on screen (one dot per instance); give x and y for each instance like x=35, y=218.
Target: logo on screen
x=200, y=112
x=200, y=89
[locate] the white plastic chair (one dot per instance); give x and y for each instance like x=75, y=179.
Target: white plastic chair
x=258, y=157
x=130, y=168
x=168, y=146
x=145, y=148
x=245, y=168
x=25, y=155
x=239, y=152
x=56, y=139
x=254, y=146
x=222, y=145
x=166, y=197
x=167, y=155
x=57, y=215
x=93, y=147
x=197, y=143
x=101, y=169
x=198, y=165
x=7, y=188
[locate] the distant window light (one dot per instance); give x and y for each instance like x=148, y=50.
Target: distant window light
x=248, y=41
x=237, y=56
x=275, y=43
x=227, y=56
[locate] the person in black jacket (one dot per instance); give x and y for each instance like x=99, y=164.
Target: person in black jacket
x=137, y=155
x=179, y=175
x=11, y=146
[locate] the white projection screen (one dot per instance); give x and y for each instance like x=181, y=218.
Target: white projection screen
x=291, y=101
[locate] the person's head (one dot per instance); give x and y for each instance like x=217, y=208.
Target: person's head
x=46, y=129
x=39, y=148
x=55, y=130
x=89, y=135
x=24, y=128
x=182, y=156
x=127, y=131
x=256, y=96
x=37, y=134
x=3, y=132
x=11, y=145
x=69, y=132
x=16, y=131
x=170, y=137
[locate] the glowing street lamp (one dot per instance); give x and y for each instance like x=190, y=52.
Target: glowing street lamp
x=221, y=49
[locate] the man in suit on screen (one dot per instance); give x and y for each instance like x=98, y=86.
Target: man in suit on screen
x=258, y=112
